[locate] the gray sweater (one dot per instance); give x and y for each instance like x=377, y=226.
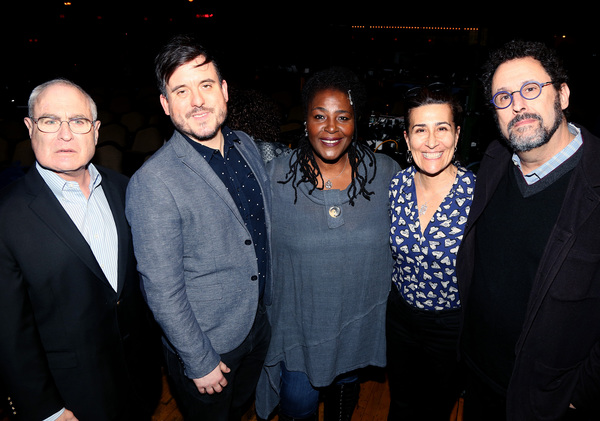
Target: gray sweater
x=332, y=275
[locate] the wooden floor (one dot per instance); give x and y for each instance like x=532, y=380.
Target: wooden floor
x=372, y=405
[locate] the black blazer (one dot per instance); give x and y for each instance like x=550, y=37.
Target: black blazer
x=558, y=352
x=66, y=337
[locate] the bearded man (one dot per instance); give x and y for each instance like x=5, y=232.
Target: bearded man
x=529, y=263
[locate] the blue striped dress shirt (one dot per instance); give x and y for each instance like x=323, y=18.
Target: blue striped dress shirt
x=554, y=162
x=92, y=216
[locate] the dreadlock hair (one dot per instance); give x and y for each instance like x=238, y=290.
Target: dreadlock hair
x=359, y=155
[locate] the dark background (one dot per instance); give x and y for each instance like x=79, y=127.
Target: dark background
x=108, y=48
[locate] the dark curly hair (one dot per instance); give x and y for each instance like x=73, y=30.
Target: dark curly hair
x=517, y=49
x=359, y=155
x=254, y=113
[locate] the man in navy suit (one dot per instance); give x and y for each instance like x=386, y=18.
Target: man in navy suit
x=75, y=333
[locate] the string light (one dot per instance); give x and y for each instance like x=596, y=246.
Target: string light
x=429, y=28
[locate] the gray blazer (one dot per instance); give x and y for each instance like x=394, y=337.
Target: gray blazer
x=195, y=255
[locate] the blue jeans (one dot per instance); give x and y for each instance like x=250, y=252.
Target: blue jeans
x=298, y=398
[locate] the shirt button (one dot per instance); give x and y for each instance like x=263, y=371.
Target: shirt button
x=254, y=277
x=335, y=211
x=248, y=242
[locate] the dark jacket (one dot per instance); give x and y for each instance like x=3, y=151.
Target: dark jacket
x=558, y=351
x=66, y=337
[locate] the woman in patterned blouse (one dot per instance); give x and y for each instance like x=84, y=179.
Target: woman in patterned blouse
x=430, y=202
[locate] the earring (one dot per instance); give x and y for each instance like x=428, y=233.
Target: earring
x=409, y=157
x=305, y=130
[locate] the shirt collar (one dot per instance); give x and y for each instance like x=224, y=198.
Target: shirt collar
x=229, y=137
x=554, y=162
x=58, y=185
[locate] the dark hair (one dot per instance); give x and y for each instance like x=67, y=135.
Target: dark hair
x=517, y=49
x=254, y=113
x=179, y=50
x=428, y=95
x=339, y=79
x=359, y=155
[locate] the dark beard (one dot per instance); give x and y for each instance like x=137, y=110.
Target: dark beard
x=540, y=136
x=210, y=135
x=202, y=138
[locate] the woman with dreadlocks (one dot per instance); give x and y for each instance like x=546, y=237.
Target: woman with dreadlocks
x=331, y=258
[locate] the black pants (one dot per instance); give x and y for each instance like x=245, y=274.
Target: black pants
x=482, y=402
x=245, y=362
x=422, y=362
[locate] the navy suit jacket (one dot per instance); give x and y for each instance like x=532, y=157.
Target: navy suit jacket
x=558, y=352
x=66, y=337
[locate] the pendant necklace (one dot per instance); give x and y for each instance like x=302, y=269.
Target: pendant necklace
x=423, y=207
x=328, y=185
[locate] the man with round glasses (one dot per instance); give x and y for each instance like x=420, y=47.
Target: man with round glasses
x=529, y=263
x=75, y=335
x=529, y=90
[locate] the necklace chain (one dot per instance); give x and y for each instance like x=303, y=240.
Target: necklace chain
x=328, y=184
x=424, y=206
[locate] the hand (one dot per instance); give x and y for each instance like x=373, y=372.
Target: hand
x=67, y=416
x=213, y=382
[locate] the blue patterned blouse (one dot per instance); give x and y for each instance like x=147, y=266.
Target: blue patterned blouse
x=425, y=263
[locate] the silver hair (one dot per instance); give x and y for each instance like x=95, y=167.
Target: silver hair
x=40, y=88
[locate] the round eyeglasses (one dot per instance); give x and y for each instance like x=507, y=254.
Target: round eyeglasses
x=52, y=125
x=529, y=91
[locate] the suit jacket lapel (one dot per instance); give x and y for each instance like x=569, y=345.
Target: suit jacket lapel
x=47, y=207
x=580, y=201
x=497, y=158
x=117, y=206
x=198, y=164
x=257, y=166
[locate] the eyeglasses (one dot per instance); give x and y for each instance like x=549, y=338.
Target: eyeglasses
x=529, y=91
x=52, y=125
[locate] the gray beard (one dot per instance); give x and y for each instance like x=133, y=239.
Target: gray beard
x=539, y=137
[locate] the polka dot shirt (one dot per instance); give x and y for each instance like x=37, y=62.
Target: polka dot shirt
x=244, y=188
